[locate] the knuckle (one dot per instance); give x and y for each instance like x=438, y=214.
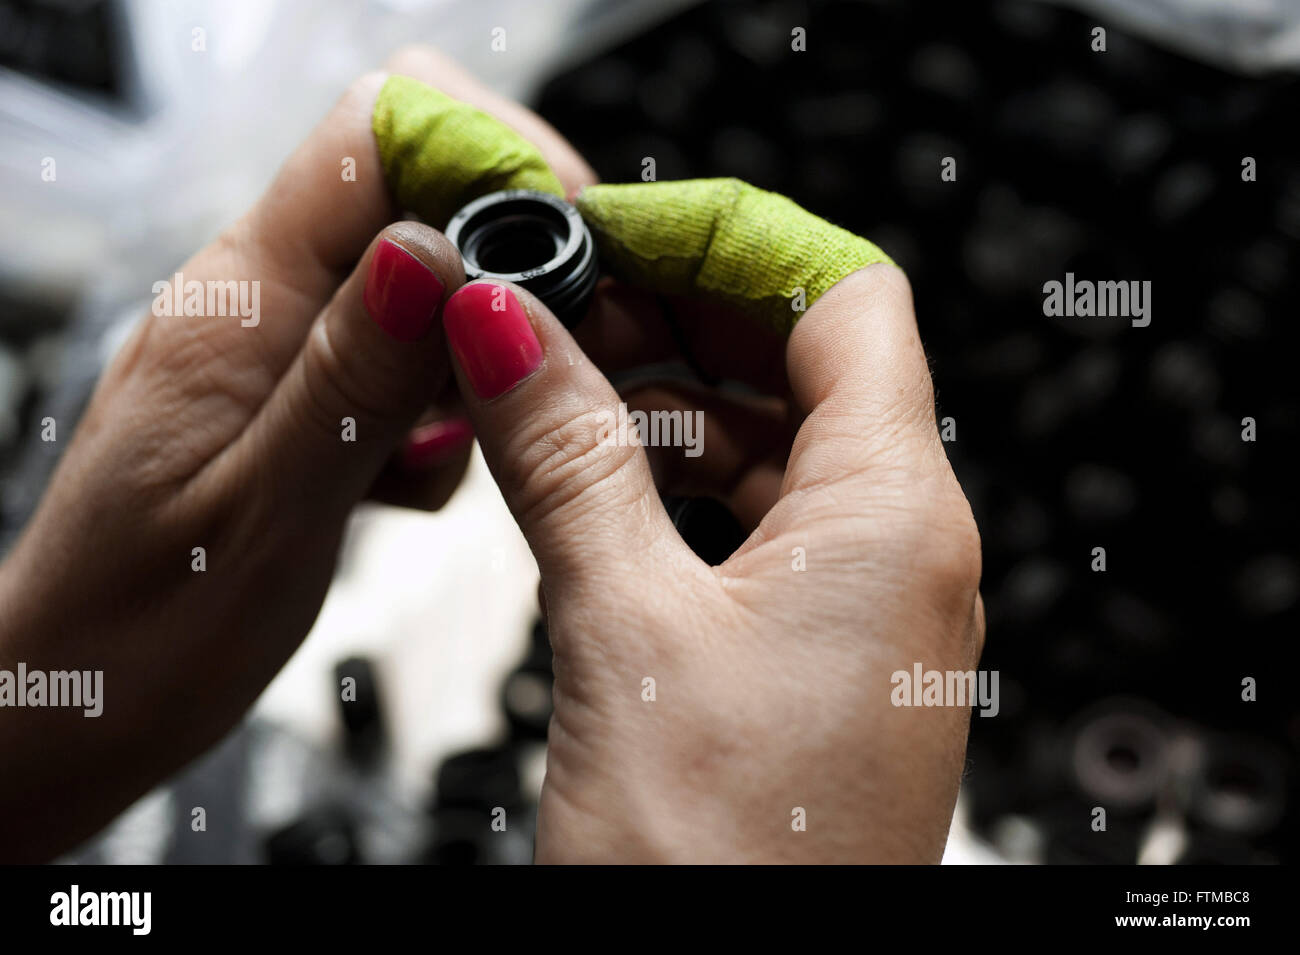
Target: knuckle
x=881, y=287
x=566, y=465
x=979, y=627
x=233, y=243
x=948, y=548
x=361, y=91
x=891, y=283
x=409, y=58
x=334, y=385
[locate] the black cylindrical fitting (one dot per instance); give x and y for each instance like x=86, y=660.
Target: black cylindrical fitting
x=706, y=525
x=533, y=239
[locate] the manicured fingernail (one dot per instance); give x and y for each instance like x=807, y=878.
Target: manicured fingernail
x=433, y=444
x=402, y=293
x=489, y=331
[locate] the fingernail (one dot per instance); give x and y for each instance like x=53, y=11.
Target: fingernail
x=402, y=293
x=433, y=444
x=489, y=331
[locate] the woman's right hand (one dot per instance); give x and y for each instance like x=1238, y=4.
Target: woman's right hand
x=701, y=712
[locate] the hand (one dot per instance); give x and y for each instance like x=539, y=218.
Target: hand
x=771, y=684
x=228, y=435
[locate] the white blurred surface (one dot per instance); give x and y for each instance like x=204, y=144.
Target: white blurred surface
x=444, y=604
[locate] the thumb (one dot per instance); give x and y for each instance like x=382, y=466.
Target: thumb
x=371, y=362
x=572, y=472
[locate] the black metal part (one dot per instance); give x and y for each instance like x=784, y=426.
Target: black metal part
x=324, y=835
x=706, y=525
x=479, y=779
x=531, y=239
x=360, y=711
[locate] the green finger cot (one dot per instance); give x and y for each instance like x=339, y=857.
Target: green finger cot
x=720, y=239
x=439, y=153
x=723, y=240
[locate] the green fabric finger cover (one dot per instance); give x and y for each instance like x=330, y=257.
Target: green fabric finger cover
x=724, y=240
x=720, y=239
x=439, y=153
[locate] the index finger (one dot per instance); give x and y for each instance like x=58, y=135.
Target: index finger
x=435, y=69
x=319, y=214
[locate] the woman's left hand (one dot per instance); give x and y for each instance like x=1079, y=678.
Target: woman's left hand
x=187, y=539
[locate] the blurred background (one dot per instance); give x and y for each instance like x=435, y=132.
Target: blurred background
x=1122, y=688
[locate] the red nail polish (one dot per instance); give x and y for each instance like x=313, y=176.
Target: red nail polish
x=431, y=444
x=402, y=293
x=489, y=331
